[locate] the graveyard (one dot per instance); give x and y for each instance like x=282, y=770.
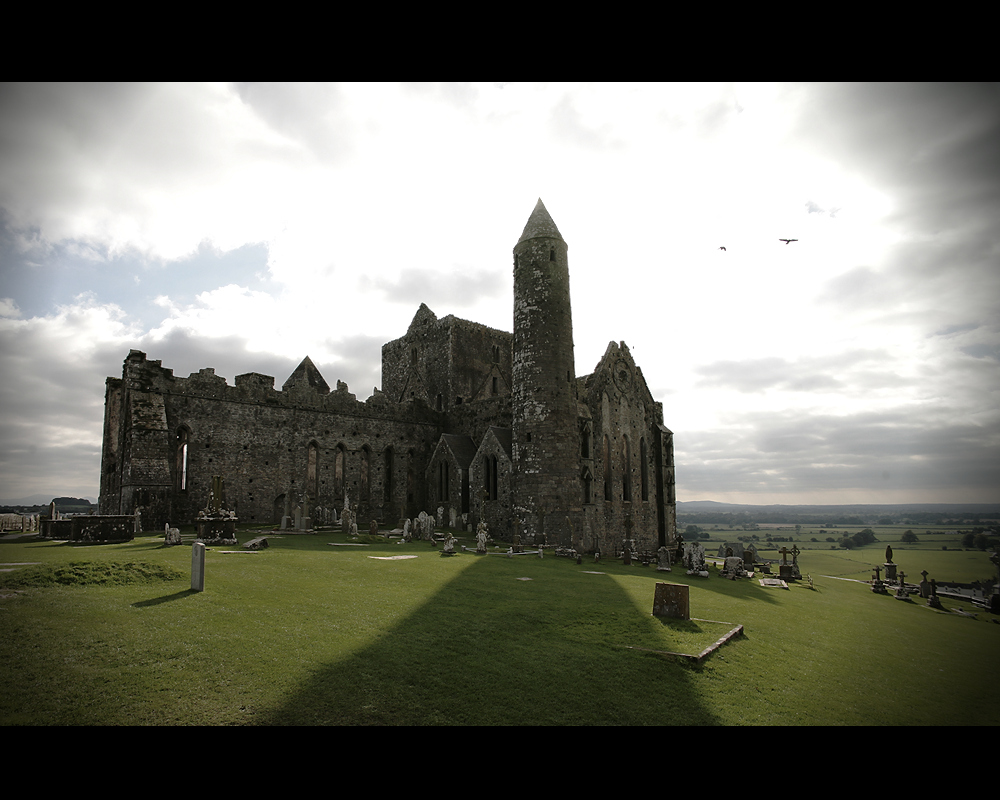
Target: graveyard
x=327, y=629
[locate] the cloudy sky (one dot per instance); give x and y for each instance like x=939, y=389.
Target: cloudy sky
x=244, y=226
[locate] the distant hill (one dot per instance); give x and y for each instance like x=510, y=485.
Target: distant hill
x=65, y=505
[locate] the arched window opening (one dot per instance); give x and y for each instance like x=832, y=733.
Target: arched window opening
x=607, y=469
x=387, y=477
x=339, y=471
x=182, y=459
x=366, y=462
x=443, y=493
x=312, y=471
x=627, y=470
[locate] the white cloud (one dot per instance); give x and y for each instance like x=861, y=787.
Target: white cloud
x=368, y=199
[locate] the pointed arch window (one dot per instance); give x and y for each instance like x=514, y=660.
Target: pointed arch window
x=182, y=459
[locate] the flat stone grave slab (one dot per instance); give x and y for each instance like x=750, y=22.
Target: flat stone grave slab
x=390, y=558
x=773, y=582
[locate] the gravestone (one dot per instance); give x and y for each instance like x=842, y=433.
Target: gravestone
x=733, y=568
x=482, y=537
x=215, y=524
x=171, y=536
x=663, y=564
x=934, y=601
x=672, y=600
x=198, y=567
x=901, y=593
x=694, y=557
x=877, y=586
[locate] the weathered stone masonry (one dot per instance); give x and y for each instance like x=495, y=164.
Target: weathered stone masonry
x=492, y=425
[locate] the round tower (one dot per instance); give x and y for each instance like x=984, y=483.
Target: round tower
x=545, y=483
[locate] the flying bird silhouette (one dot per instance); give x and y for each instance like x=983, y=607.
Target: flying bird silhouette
x=722, y=248
x=787, y=241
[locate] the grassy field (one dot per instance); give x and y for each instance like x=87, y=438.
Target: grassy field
x=307, y=633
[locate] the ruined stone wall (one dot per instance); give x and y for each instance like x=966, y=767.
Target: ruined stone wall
x=476, y=418
x=415, y=366
x=479, y=361
x=448, y=362
x=109, y=500
x=267, y=445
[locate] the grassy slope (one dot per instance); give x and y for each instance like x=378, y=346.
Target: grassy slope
x=306, y=633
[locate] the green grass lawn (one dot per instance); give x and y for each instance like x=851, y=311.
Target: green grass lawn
x=308, y=633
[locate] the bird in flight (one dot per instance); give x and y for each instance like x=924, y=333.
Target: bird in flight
x=722, y=248
x=787, y=241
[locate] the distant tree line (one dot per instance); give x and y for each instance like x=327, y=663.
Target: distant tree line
x=741, y=518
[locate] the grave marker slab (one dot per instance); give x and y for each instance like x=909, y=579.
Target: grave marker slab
x=672, y=600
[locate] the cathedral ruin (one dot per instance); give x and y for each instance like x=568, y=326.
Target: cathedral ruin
x=491, y=425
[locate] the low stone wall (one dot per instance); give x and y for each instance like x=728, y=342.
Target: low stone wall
x=91, y=528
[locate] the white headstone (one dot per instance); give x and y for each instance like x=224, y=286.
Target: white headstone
x=198, y=567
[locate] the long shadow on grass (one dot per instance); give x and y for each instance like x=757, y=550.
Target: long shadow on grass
x=155, y=601
x=489, y=649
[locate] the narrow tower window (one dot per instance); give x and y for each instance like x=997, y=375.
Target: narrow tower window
x=627, y=467
x=644, y=466
x=552, y=254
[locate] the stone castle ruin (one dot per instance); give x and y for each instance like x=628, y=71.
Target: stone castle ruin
x=488, y=425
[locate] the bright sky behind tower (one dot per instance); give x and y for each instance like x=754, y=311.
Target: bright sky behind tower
x=245, y=226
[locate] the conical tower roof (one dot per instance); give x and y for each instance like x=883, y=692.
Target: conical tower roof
x=306, y=374
x=540, y=224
